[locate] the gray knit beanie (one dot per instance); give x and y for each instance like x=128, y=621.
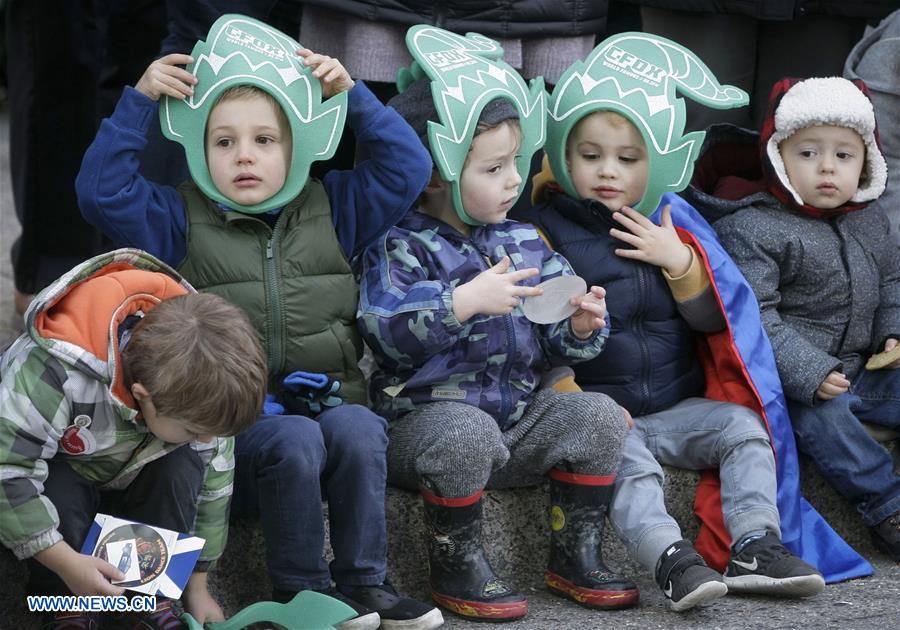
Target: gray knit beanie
x=416, y=106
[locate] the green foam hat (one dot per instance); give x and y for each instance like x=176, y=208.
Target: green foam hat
x=467, y=73
x=637, y=75
x=242, y=51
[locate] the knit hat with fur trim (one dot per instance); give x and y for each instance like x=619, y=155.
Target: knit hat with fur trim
x=796, y=104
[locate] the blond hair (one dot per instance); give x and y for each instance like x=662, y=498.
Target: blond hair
x=201, y=362
x=247, y=92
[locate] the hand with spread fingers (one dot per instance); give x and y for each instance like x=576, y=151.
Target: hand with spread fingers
x=493, y=292
x=655, y=244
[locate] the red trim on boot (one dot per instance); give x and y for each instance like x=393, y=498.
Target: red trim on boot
x=592, y=598
x=482, y=610
x=451, y=501
x=577, y=479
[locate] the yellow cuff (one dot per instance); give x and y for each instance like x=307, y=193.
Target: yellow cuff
x=691, y=283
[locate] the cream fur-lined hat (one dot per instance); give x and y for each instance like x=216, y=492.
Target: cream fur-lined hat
x=829, y=101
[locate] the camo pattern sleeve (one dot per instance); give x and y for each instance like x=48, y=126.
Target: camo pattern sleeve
x=424, y=354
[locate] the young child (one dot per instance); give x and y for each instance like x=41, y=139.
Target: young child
x=119, y=398
x=827, y=277
x=252, y=228
x=459, y=364
x=660, y=298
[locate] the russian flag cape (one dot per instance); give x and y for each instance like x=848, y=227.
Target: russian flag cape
x=740, y=367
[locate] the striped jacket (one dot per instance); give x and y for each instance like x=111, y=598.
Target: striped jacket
x=65, y=366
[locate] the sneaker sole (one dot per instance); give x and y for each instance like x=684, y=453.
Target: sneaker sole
x=505, y=611
x=800, y=586
x=590, y=597
x=432, y=619
x=370, y=621
x=706, y=592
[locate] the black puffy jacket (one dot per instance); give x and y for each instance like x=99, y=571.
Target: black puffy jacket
x=498, y=18
x=779, y=9
x=649, y=362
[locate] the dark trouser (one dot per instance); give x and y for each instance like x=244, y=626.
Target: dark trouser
x=64, y=60
x=285, y=466
x=165, y=494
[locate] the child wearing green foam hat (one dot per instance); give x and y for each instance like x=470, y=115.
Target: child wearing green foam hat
x=253, y=109
x=615, y=154
x=460, y=363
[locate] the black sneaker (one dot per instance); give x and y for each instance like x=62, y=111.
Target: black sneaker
x=69, y=621
x=396, y=612
x=365, y=619
x=685, y=579
x=765, y=566
x=886, y=536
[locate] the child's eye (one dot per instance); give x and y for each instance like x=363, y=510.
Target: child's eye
x=627, y=159
x=265, y=140
x=807, y=153
x=590, y=156
x=843, y=155
x=494, y=169
x=223, y=142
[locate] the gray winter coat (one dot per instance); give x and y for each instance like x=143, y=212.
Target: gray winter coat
x=828, y=289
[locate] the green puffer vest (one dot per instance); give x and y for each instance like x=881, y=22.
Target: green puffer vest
x=293, y=281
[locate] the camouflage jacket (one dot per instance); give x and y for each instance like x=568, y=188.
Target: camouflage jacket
x=65, y=367
x=424, y=354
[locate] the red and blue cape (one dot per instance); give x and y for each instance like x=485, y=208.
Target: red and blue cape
x=740, y=367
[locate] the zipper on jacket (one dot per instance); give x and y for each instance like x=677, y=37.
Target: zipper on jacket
x=503, y=384
x=507, y=366
x=273, y=305
x=642, y=344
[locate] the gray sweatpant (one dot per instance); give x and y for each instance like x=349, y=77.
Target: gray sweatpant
x=695, y=434
x=459, y=449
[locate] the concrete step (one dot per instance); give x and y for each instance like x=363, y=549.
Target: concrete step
x=516, y=536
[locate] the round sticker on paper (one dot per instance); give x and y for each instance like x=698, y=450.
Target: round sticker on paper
x=152, y=553
x=553, y=304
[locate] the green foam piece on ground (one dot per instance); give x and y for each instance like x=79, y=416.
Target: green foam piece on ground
x=308, y=610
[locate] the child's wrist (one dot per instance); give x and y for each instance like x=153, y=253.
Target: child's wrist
x=460, y=304
x=680, y=267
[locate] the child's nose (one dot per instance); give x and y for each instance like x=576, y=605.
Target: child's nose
x=245, y=153
x=515, y=179
x=607, y=168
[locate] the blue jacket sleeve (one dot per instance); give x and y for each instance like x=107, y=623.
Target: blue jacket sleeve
x=405, y=314
x=368, y=200
x=115, y=198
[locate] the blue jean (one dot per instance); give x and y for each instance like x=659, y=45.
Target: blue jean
x=856, y=465
x=287, y=465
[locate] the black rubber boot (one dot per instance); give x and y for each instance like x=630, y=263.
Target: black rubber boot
x=462, y=579
x=578, y=506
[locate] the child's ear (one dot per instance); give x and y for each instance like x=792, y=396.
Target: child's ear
x=139, y=392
